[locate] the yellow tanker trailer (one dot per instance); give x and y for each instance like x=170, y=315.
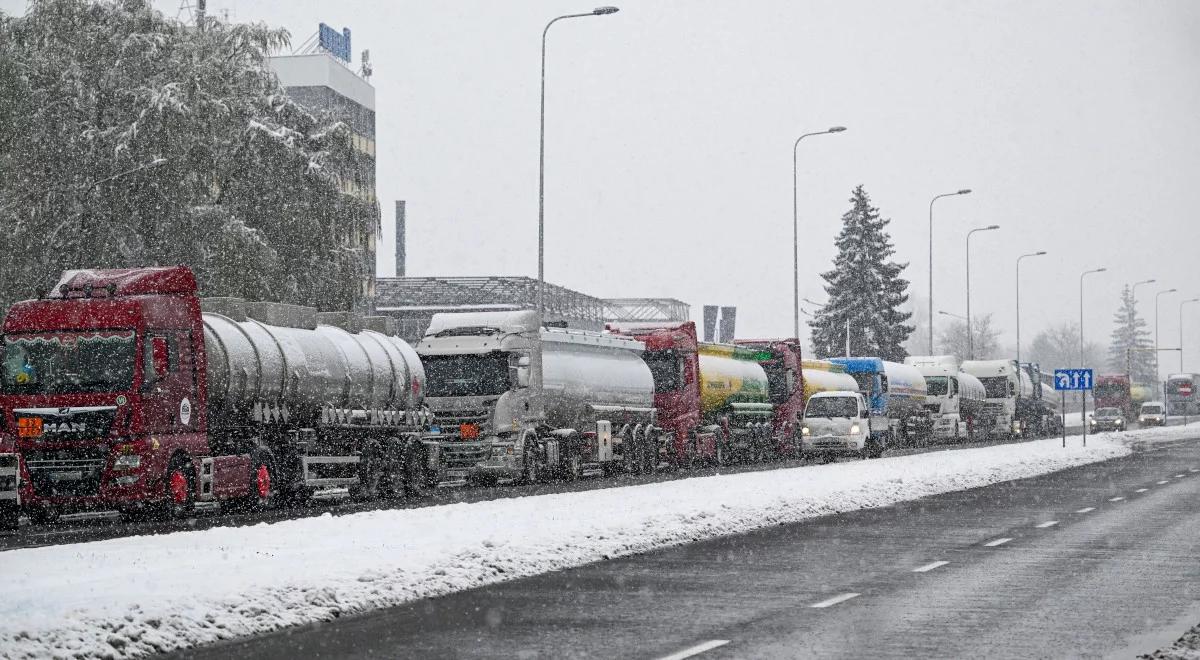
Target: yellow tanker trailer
x=735, y=396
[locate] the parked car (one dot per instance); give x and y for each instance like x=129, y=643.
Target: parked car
x=1107, y=419
x=1152, y=413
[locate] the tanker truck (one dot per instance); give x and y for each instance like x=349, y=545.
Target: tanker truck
x=592, y=409
x=118, y=392
x=714, y=401
x=895, y=394
x=953, y=398
x=1005, y=384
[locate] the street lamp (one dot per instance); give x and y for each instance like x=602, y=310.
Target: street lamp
x=1081, y=276
x=541, y=296
x=536, y=361
x=1181, y=330
x=1135, y=285
x=964, y=191
x=796, y=230
x=955, y=316
x=970, y=335
x=1031, y=254
x=1157, y=370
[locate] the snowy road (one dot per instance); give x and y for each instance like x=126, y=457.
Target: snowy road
x=1093, y=561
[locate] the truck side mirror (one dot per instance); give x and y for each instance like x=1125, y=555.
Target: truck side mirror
x=156, y=360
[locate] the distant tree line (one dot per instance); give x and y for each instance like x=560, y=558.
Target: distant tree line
x=129, y=139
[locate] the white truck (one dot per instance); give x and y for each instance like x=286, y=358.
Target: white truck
x=954, y=399
x=592, y=405
x=1005, y=384
x=836, y=424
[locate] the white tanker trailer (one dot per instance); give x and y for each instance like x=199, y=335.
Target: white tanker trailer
x=497, y=420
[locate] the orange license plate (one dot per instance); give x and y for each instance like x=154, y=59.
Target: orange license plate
x=29, y=427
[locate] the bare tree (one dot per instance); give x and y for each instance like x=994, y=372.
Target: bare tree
x=952, y=339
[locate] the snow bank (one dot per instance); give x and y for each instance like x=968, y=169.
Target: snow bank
x=139, y=595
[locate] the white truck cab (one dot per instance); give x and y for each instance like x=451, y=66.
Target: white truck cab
x=1152, y=413
x=838, y=423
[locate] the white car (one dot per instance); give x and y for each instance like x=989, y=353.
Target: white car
x=838, y=424
x=1153, y=413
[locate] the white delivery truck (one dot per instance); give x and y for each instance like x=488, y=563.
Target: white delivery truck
x=836, y=424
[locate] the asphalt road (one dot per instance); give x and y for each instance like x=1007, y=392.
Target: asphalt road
x=105, y=525
x=1095, y=561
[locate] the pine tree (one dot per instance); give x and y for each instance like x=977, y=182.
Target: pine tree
x=865, y=288
x=1130, y=333
x=130, y=139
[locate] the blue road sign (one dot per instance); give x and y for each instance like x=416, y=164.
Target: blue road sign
x=1072, y=379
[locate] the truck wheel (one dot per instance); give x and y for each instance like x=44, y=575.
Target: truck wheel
x=180, y=490
x=10, y=515
x=573, y=468
x=261, y=487
x=370, y=475
x=530, y=470
x=416, y=479
x=43, y=515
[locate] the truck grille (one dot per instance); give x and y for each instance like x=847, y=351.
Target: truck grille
x=451, y=419
x=463, y=454
x=74, y=472
x=993, y=409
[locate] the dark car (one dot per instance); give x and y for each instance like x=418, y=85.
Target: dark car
x=1107, y=419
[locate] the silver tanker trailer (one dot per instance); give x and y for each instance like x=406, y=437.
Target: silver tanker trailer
x=593, y=403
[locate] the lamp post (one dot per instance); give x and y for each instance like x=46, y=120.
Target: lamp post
x=1157, y=371
x=1081, y=276
x=1181, y=330
x=541, y=295
x=953, y=316
x=971, y=335
x=964, y=191
x=1031, y=254
x=535, y=363
x=796, y=229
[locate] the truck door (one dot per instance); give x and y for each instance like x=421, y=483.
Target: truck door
x=169, y=382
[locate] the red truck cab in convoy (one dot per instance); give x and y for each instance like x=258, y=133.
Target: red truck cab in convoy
x=1115, y=391
x=118, y=392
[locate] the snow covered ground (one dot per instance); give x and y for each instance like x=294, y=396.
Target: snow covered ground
x=139, y=595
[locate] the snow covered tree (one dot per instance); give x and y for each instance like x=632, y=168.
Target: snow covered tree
x=952, y=340
x=865, y=288
x=1129, y=332
x=128, y=139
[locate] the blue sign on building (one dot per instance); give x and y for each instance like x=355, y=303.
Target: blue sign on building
x=337, y=44
x=1072, y=379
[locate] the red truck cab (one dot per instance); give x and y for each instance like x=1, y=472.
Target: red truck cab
x=102, y=391
x=786, y=379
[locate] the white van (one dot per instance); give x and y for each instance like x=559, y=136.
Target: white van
x=1152, y=413
x=838, y=424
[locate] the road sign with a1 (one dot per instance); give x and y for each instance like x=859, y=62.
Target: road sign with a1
x=1072, y=379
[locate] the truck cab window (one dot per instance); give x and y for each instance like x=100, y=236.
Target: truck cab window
x=666, y=368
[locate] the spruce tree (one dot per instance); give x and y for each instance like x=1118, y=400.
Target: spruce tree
x=865, y=288
x=1129, y=332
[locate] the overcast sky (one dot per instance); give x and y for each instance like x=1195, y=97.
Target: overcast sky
x=670, y=127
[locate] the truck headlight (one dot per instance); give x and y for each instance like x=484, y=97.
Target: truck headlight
x=128, y=462
x=804, y=430
x=854, y=429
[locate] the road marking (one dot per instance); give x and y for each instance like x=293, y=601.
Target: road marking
x=1179, y=476
x=1118, y=498
x=1162, y=482
x=1048, y=523
x=992, y=544
x=929, y=567
x=1193, y=470
x=834, y=601
x=695, y=650
x=1086, y=509
x=1141, y=490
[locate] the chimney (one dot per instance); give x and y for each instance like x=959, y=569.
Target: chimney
x=399, y=238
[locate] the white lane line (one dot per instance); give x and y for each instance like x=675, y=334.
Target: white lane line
x=1048, y=523
x=1163, y=482
x=1179, y=476
x=695, y=650
x=929, y=567
x=1118, y=498
x=1086, y=509
x=1141, y=490
x=834, y=601
x=1193, y=470
x=992, y=544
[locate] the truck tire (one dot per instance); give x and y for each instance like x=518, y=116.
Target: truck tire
x=43, y=515
x=416, y=476
x=371, y=466
x=530, y=468
x=262, y=484
x=10, y=517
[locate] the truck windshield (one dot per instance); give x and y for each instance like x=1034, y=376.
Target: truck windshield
x=995, y=387
x=1110, y=389
x=466, y=375
x=936, y=385
x=68, y=362
x=833, y=406
x=666, y=368
x=1151, y=410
